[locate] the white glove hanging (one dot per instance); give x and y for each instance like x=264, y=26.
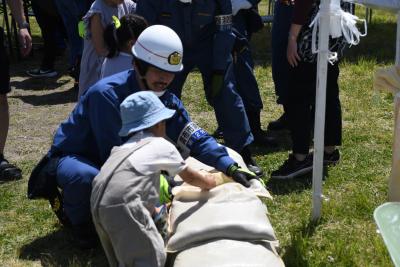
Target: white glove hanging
x=341, y=23
x=239, y=4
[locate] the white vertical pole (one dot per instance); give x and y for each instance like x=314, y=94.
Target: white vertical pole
x=398, y=40
x=322, y=72
x=394, y=179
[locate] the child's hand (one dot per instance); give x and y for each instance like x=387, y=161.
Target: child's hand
x=202, y=179
x=209, y=181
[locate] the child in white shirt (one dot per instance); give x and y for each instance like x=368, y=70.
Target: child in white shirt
x=126, y=191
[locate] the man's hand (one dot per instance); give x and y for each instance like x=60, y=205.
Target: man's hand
x=240, y=175
x=17, y=10
x=291, y=53
x=208, y=181
x=25, y=41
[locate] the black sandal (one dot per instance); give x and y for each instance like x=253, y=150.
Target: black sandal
x=9, y=172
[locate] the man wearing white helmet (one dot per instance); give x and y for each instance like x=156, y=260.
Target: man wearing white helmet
x=84, y=141
x=205, y=28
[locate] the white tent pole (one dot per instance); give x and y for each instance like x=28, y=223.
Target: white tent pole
x=319, y=128
x=398, y=40
x=394, y=179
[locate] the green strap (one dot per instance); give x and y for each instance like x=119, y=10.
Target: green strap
x=165, y=197
x=81, y=29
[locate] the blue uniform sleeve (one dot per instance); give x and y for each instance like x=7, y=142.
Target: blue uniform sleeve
x=223, y=39
x=148, y=10
x=193, y=140
x=105, y=122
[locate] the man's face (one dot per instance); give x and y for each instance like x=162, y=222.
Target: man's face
x=158, y=80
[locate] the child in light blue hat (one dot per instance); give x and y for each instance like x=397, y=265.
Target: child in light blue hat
x=126, y=191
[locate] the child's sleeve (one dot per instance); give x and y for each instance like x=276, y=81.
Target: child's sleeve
x=96, y=8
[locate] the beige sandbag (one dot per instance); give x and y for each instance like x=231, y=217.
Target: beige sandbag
x=227, y=211
x=229, y=253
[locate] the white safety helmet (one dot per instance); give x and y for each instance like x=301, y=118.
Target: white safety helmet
x=160, y=47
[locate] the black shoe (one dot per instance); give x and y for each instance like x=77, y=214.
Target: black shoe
x=84, y=236
x=8, y=171
x=292, y=168
x=250, y=162
x=279, y=124
x=218, y=133
x=331, y=159
x=40, y=73
x=261, y=138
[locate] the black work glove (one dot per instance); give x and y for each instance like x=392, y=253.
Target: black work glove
x=240, y=175
x=217, y=81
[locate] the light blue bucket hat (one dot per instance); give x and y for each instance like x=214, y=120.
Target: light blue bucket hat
x=142, y=110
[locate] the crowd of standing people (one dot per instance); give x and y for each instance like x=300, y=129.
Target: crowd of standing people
x=125, y=47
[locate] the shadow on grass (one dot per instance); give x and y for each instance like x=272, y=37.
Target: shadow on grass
x=55, y=98
x=287, y=186
x=296, y=252
x=283, y=143
x=298, y=184
x=55, y=249
x=42, y=84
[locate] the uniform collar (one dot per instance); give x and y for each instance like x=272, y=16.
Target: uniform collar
x=132, y=82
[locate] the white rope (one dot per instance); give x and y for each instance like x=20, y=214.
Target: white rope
x=341, y=24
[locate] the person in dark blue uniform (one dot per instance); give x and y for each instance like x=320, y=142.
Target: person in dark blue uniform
x=247, y=21
x=84, y=141
x=283, y=12
x=205, y=28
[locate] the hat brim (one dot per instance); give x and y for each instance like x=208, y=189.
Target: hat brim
x=149, y=121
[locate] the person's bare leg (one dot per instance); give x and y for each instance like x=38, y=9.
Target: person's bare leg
x=7, y=170
x=4, y=119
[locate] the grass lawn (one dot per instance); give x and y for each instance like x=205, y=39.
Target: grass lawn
x=345, y=235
